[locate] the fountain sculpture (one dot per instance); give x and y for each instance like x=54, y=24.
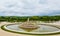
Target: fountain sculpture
x=28, y=26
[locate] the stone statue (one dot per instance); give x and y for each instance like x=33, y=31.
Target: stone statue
x=28, y=26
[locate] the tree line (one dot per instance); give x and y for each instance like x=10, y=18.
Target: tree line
x=24, y=18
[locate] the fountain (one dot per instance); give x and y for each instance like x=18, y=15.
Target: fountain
x=30, y=27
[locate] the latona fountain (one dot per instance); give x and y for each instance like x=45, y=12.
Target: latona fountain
x=31, y=27
x=28, y=26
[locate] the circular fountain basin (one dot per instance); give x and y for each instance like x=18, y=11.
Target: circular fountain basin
x=43, y=30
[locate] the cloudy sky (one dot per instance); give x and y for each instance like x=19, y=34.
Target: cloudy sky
x=29, y=7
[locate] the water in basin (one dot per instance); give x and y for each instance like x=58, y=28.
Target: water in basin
x=43, y=28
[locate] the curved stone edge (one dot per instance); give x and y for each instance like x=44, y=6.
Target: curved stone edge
x=2, y=27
